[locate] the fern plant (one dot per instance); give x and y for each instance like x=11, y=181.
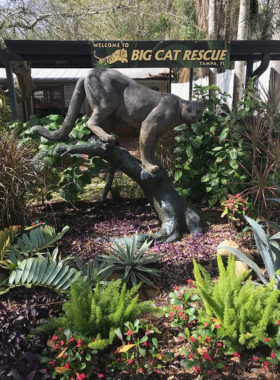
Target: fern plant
x=248, y=313
x=133, y=264
x=95, y=315
x=39, y=272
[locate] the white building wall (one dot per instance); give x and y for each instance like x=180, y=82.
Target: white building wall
x=224, y=81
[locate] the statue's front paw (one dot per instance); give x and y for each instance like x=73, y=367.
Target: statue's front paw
x=107, y=138
x=151, y=168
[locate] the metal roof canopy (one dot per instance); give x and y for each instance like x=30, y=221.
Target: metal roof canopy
x=78, y=54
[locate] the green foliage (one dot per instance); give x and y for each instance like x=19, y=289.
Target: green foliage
x=5, y=113
x=206, y=157
x=132, y=264
x=18, y=181
x=269, y=250
x=58, y=173
x=142, y=354
x=247, y=313
x=40, y=272
x=93, y=272
x=6, y=238
x=32, y=242
x=96, y=314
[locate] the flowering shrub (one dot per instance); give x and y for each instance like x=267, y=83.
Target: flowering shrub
x=141, y=353
x=274, y=358
x=179, y=308
x=73, y=360
x=206, y=349
x=235, y=207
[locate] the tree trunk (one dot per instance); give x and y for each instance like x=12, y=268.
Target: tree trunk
x=212, y=35
x=239, y=65
x=176, y=215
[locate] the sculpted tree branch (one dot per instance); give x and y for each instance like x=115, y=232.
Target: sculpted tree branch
x=176, y=215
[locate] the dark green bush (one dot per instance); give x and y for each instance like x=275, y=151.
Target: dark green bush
x=207, y=155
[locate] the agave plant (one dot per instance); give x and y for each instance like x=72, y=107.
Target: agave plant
x=89, y=271
x=42, y=272
x=269, y=250
x=133, y=264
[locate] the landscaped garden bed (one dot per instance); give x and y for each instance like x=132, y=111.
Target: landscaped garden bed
x=24, y=309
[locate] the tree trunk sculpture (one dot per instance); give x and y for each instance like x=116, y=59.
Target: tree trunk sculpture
x=176, y=215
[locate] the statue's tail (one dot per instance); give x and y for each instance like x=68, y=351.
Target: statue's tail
x=71, y=116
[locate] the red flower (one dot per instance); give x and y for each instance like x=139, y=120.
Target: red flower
x=71, y=339
x=19, y=227
x=116, y=352
x=206, y=324
x=52, y=363
x=158, y=371
x=64, y=356
x=217, y=326
x=129, y=333
x=196, y=369
x=66, y=365
x=266, y=339
x=62, y=342
x=273, y=355
x=145, y=344
x=192, y=339
x=148, y=332
x=171, y=314
x=205, y=355
x=79, y=341
x=266, y=364
x=176, y=287
x=189, y=281
x=236, y=354
x=140, y=370
x=220, y=344
x=191, y=355
x=101, y=375
x=130, y=361
x=255, y=358
x=182, y=337
x=278, y=323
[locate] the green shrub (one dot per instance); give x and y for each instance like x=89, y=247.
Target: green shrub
x=95, y=315
x=58, y=173
x=248, y=313
x=206, y=156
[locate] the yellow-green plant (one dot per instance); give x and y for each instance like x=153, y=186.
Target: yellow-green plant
x=95, y=315
x=247, y=312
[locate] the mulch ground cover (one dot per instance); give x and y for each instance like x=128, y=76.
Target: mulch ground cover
x=91, y=226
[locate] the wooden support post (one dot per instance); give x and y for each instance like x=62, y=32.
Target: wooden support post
x=5, y=58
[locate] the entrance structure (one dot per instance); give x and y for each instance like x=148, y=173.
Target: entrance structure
x=88, y=54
